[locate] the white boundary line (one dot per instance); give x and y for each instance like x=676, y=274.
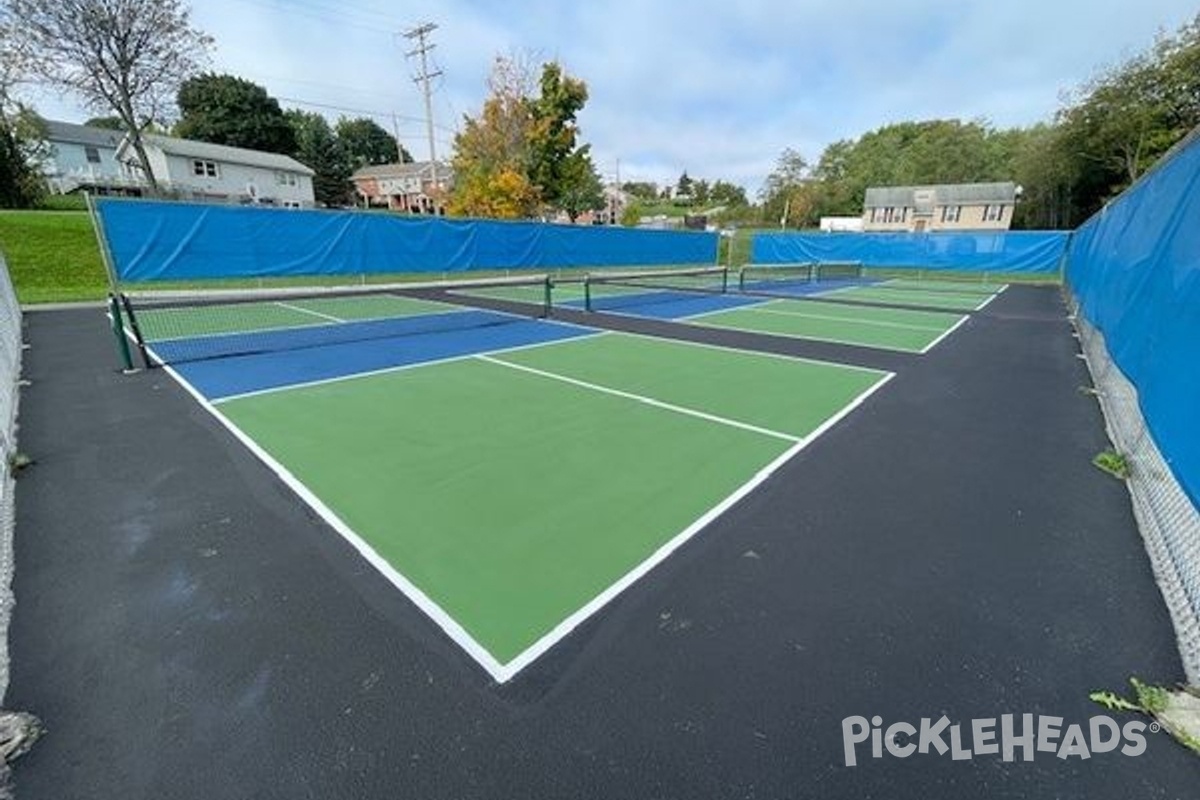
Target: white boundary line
x=298, y=309
x=961, y=321
x=761, y=332
x=743, y=352
x=450, y=309
x=502, y=673
x=562, y=629
x=877, y=322
x=443, y=620
x=637, y=398
x=848, y=293
x=402, y=367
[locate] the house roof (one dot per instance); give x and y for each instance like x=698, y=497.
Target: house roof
x=409, y=170
x=952, y=194
x=190, y=148
x=70, y=133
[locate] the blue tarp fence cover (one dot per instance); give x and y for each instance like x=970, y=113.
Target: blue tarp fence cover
x=155, y=241
x=1135, y=270
x=1007, y=251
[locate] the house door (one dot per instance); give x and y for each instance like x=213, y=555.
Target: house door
x=919, y=226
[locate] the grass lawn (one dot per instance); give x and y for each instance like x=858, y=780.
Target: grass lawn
x=52, y=256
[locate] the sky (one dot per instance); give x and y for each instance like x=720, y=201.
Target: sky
x=718, y=89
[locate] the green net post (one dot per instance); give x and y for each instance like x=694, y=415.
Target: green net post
x=587, y=293
x=119, y=332
x=724, y=280
x=547, y=300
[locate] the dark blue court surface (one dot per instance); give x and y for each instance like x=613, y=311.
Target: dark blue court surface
x=666, y=304
x=390, y=344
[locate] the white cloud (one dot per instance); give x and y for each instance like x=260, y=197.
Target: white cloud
x=719, y=89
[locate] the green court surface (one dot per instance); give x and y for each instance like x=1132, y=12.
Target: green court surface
x=216, y=318
x=887, y=328
x=978, y=289
x=513, y=493
x=886, y=294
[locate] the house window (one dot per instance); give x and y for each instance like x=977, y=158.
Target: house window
x=951, y=213
x=285, y=178
x=993, y=213
x=204, y=168
x=92, y=154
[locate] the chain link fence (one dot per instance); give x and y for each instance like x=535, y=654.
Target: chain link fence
x=10, y=376
x=1169, y=522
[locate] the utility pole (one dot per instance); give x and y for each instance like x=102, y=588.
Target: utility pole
x=420, y=34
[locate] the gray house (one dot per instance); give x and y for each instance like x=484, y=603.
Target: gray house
x=85, y=158
x=217, y=172
x=946, y=207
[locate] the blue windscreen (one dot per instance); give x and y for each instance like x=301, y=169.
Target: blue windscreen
x=156, y=241
x=1007, y=251
x=1135, y=269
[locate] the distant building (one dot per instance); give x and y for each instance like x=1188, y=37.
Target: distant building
x=418, y=188
x=953, y=207
x=842, y=224
x=217, y=172
x=85, y=158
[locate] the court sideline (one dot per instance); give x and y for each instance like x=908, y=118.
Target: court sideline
x=186, y=629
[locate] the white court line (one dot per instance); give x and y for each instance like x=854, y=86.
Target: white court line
x=961, y=321
x=564, y=628
x=502, y=673
x=637, y=398
x=852, y=320
x=402, y=367
x=301, y=310
x=443, y=620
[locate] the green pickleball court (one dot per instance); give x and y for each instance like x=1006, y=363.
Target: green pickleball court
x=512, y=489
x=887, y=328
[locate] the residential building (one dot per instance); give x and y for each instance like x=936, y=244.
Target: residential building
x=947, y=207
x=85, y=158
x=217, y=172
x=417, y=188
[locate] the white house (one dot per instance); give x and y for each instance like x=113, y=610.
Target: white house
x=205, y=171
x=418, y=188
x=81, y=157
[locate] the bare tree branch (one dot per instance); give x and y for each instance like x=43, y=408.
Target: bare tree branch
x=122, y=56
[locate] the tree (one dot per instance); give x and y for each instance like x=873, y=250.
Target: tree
x=642, y=190
x=108, y=123
x=554, y=153
x=580, y=188
x=226, y=109
x=127, y=57
x=22, y=132
x=366, y=143
x=683, y=188
x=728, y=194
x=491, y=152
x=784, y=183
x=317, y=148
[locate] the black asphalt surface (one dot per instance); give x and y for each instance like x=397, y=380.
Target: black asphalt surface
x=187, y=629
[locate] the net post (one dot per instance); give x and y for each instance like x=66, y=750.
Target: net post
x=587, y=292
x=725, y=280
x=118, y=329
x=547, y=299
x=137, y=331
